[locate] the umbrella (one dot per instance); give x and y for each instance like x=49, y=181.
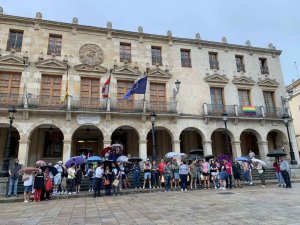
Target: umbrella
x=133, y=159
x=243, y=158
x=276, y=153
x=28, y=170
x=193, y=158
x=41, y=163
x=181, y=156
x=122, y=158
x=196, y=151
x=171, y=154
x=94, y=159
x=208, y=157
x=78, y=160
x=259, y=161
x=105, y=150
x=52, y=169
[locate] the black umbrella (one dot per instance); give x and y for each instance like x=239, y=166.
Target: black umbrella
x=193, y=158
x=276, y=153
x=208, y=157
x=107, y=163
x=52, y=169
x=197, y=151
x=133, y=159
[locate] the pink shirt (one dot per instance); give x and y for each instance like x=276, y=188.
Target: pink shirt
x=228, y=167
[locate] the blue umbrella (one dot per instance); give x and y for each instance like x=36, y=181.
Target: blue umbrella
x=243, y=158
x=94, y=159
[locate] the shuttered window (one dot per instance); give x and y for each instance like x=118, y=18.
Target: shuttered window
x=158, y=96
x=51, y=90
x=89, y=92
x=9, y=88
x=123, y=88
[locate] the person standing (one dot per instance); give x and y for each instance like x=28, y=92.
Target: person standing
x=14, y=178
x=147, y=173
x=175, y=167
x=91, y=176
x=98, y=179
x=167, y=175
x=260, y=171
x=116, y=177
x=136, y=175
x=161, y=167
x=284, y=169
x=183, y=173
x=193, y=174
x=228, y=167
x=39, y=185
x=71, y=179
x=57, y=178
x=28, y=180
x=214, y=172
x=155, y=175
x=236, y=170
x=247, y=177
x=107, y=180
x=78, y=178
x=276, y=166
x=205, y=167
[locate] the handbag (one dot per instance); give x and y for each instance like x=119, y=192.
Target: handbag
x=106, y=182
x=48, y=185
x=116, y=182
x=162, y=180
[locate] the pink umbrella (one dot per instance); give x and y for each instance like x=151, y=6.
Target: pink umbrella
x=41, y=163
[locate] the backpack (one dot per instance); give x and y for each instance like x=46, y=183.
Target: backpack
x=90, y=173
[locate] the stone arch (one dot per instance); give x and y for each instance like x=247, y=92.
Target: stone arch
x=46, y=142
x=15, y=138
x=191, y=138
x=219, y=144
x=129, y=137
x=249, y=141
x=277, y=139
x=39, y=123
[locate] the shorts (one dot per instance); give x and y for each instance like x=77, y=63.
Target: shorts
x=205, y=174
x=28, y=188
x=223, y=175
x=57, y=180
x=176, y=176
x=64, y=182
x=237, y=176
x=193, y=176
x=147, y=175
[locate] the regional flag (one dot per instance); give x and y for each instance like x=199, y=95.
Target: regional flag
x=139, y=87
x=105, y=88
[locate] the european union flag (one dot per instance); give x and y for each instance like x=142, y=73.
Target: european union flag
x=139, y=87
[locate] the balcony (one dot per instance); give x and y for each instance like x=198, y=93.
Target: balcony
x=214, y=65
x=40, y=102
x=7, y=100
x=264, y=70
x=186, y=62
x=124, y=105
x=211, y=110
x=161, y=106
x=89, y=104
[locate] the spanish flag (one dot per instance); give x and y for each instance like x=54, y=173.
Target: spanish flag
x=67, y=87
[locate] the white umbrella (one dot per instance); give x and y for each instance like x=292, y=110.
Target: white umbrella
x=259, y=161
x=122, y=158
x=171, y=154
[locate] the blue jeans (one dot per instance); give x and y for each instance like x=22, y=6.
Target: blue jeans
x=136, y=179
x=91, y=183
x=247, y=176
x=13, y=185
x=167, y=183
x=280, y=178
x=183, y=178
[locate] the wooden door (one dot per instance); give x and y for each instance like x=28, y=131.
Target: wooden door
x=89, y=92
x=51, y=90
x=9, y=88
x=123, y=88
x=158, y=97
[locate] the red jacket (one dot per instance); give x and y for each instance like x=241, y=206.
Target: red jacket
x=161, y=167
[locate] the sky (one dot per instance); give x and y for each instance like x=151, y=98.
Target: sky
x=260, y=21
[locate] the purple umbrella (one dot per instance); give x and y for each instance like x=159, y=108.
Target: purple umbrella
x=78, y=160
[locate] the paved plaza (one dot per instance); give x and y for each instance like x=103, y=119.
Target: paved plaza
x=249, y=205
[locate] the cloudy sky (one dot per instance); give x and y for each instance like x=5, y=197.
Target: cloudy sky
x=260, y=21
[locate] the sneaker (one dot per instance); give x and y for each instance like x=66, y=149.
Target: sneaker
x=263, y=186
x=8, y=196
x=69, y=193
x=26, y=201
x=74, y=193
x=143, y=187
x=150, y=187
x=216, y=187
x=181, y=189
x=66, y=192
x=279, y=185
x=185, y=189
x=251, y=183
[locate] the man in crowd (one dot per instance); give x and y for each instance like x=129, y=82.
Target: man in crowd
x=14, y=178
x=284, y=169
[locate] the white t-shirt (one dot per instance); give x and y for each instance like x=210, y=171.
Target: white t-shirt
x=29, y=181
x=99, y=172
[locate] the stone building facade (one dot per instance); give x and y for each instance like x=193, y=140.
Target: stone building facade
x=53, y=73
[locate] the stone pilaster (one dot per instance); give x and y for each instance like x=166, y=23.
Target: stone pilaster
x=263, y=149
x=143, y=149
x=236, y=149
x=176, y=146
x=67, y=153
x=207, y=148
x=23, y=152
x=106, y=143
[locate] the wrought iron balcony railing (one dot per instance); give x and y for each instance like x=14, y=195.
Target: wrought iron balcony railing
x=264, y=70
x=274, y=112
x=161, y=106
x=7, y=100
x=219, y=109
x=89, y=104
x=256, y=113
x=43, y=102
x=123, y=105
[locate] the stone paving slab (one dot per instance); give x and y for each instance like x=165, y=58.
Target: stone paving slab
x=250, y=205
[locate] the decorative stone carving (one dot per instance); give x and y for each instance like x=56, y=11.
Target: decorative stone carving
x=268, y=83
x=170, y=37
x=224, y=40
x=271, y=46
x=12, y=60
x=141, y=31
x=74, y=25
x=198, y=36
x=38, y=16
x=126, y=70
x=51, y=63
x=217, y=79
x=75, y=20
x=1, y=11
x=109, y=25
x=248, y=43
x=90, y=69
x=109, y=28
x=41, y=56
x=159, y=73
x=243, y=80
x=82, y=119
x=91, y=54
x=198, y=40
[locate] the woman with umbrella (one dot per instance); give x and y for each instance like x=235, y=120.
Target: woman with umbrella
x=71, y=179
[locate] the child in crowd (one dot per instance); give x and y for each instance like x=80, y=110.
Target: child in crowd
x=107, y=181
x=91, y=176
x=27, y=179
x=39, y=185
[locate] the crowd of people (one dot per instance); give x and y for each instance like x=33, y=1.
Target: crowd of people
x=114, y=176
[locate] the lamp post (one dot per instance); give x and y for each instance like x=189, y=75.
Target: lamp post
x=176, y=89
x=225, y=118
x=286, y=119
x=153, y=120
x=11, y=111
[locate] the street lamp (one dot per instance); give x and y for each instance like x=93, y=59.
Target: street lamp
x=153, y=120
x=286, y=119
x=11, y=111
x=176, y=89
x=225, y=118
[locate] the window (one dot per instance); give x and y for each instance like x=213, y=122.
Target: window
x=54, y=46
x=156, y=55
x=53, y=144
x=125, y=52
x=269, y=100
x=15, y=40
x=240, y=66
x=9, y=88
x=244, y=99
x=263, y=66
x=89, y=92
x=213, y=60
x=158, y=97
x=50, y=90
x=185, y=58
x=123, y=87
x=216, y=96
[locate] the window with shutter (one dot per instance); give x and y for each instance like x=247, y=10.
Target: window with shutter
x=9, y=88
x=50, y=90
x=89, y=92
x=158, y=97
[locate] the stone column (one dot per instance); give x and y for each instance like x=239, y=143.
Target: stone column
x=23, y=152
x=143, y=149
x=236, y=149
x=263, y=149
x=176, y=146
x=207, y=148
x=106, y=143
x=67, y=153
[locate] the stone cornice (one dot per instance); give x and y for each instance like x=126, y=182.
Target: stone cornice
x=243, y=81
x=121, y=33
x=51, y=63
x=216, y=79
x=90, y=69
x=268, y=83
